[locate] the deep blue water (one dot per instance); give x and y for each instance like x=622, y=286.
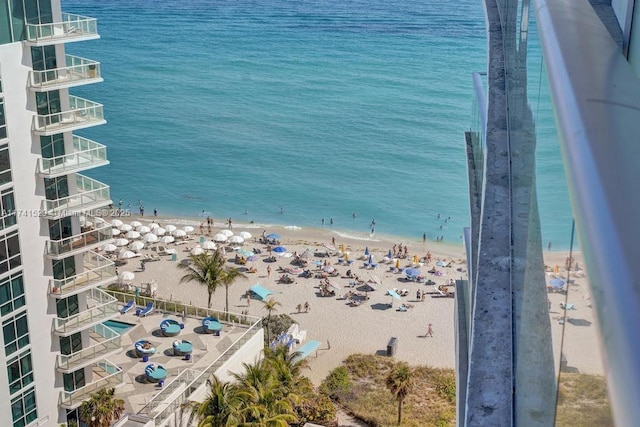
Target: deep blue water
x=317, y=108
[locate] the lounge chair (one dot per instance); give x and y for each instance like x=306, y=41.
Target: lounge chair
x=127, y=307
x=147, y=310
x=144, y=348
x=182, y=347
x=155, y=373
x=170, y=327
x=211, y=325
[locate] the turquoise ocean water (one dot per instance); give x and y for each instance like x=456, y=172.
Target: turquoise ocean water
x=317, y=109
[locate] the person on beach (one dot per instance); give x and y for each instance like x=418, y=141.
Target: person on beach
x=333, y=241
x=424, y=237
x=306, y=307
x=331, y=221
x=155, y=212
x=428, y=257
x=230, y=224
x=354, y=215
x=299, y=308
x=429, y=331
x=269, y=267
x=141, y=210
x=248, y=297
x=322, y=222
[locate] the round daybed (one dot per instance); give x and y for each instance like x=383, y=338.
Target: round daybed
x=170, y=327
x=182, y=347
x=211, y=325
x=155, y=373
x=144, y=348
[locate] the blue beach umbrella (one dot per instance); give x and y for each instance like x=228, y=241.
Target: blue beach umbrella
x=412, y=272
x=279, y=249
x=366, y=251
x=389, y=254
x=244, y=253
x=556, y=283
x=273, y=236
x=370, y=259
x=394, y=294
x=440, y=264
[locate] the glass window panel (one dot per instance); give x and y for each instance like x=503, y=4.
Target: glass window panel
x=5, y=27
x=5, y=166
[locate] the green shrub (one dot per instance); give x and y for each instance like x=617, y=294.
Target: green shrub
x=338, y=384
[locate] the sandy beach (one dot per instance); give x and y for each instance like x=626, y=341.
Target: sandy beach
x=344, y=329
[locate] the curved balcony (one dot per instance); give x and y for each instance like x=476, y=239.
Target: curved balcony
x=90, y=194
x=72, y=28
x=105, y=342
x=82, y=114
x=97, y=271
x=102, y=306
x=90, y=239
x=86, y=154
x=106, y=375
x=77, y=72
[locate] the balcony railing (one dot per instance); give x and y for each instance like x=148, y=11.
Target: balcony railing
x=97, y=271
x=90, y=194
x=77, y=71
x=108, y=342
x=82, y=113
x=86, y=154
x=102, y=306
x=106, y=374
x=72, y=28
x=84, y=241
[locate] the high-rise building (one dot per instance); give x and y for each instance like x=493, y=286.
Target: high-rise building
x=55, y=347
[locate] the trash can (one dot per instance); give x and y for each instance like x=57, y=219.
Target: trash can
x=174, y=257
x=392, y=346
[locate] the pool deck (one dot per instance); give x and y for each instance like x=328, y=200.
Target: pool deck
x=135, y=391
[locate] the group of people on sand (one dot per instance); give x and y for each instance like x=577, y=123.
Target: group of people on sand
x=306, y=307
x=400, y=251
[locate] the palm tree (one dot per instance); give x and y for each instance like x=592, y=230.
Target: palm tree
x=220, y=408
x=400, y=383
x=270, y=305
x=102, y=409
x=209, y=270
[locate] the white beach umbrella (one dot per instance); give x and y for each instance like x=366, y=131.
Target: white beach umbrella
x=121, y=242
x=143, y=229
x=227, y=233
x=126, y=255
x=115, y=231
x=125, y=227
x=188, y=229
x=149, y=238
x=236, y=239
x=110, y=248
x=170, y=228
x=179, y=233
x=136, y=246
x=159, y=231
x=245, y=235
x=197, y=250
x=209, y=245
x=154, y=225
x=220, y=237
x=132, y=234
x=116, y=222
x=126, y=276
x=167, y=239
x=135, y=224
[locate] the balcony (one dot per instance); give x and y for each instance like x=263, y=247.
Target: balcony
x=86, y=154
x=77, y=72
x=102, y=306
x=93, y=237
x=97, y=271
x=105, y=375
x=82, y=114
x=105, y=342
x=90, y=194
x=73, y=28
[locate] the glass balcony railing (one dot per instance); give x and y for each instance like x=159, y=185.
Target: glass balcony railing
x=106, y=375
x=90, y=194
x=82, y=113
x=97, y=271
x=77, y=71
x=107, y=342
x=86, y=154
x=72, y=28
x=102, y=306
x=89, y=239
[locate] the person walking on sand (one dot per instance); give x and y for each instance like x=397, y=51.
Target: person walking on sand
x=306, y=307
x=299, y=308
x=429, y=331
x=230, y=224
x=248, y=296
x=268, y=272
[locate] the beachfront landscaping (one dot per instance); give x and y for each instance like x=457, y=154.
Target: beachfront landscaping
x=583, y=401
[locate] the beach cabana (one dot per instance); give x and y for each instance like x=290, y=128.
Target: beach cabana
x=306, y=349
x=170, y=327
x=182, y=347
x=144, y=348
x=260, y=291
x=155, y=373
x=211, y=325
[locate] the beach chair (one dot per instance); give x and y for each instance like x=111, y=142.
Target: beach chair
x=128, y=306
x=148, y=309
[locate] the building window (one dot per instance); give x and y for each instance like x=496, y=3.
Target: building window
x=67, y=307
x=20, y=372
x=23, y=408
x=71, y=344
x=3, y=120
x=5, y=165
x=11, y=294
x=7, y=209
x=16, y=333
x=74, y=380
x=9, y=252
x=56, y=188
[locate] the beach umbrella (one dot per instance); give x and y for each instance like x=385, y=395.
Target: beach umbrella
x=440, y=264
x=197, y=251
x=366, y=251
x=132, y=235
x=397, y=263
x=150, y=238
x=329, y=246
x=556, y=283
x=136, y=246
x=115, y=231
x=393, y=294
x=389, y=254
x=167, y=239
x=170, y=228
x=158, y=231
x=334, y=285
x=415, y=259
x=346, y=257
x=143, y=229
x=220, y=238
x=412, y=272
x=375, y=278
x=307, y=253
x=273, y=236
x=116, y=222
x=179, y=233
x=252, y=258
x=154, y=225
x=126, y=254
x=245, y=253
x=110, y=248
x=121, y=242
x=236, y=239
x=328, y=269
x=370, y=259
x=135, y=224
x=125, y=227
x=209, y=245
x=342, y=247
x=245, y=235
x=226, y=232
x=126, y=276
x=188, y=229
x=279, y=249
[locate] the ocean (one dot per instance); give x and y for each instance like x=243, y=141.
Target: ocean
x=288, y=112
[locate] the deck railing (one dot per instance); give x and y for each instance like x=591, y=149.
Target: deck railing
x=110, y=343
x=97, y=270
x=76, y=71
x=82, y=113
x=86, y=154
x=112, y=377
x=71, y=27
x=90, y=194
x=102, y=306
